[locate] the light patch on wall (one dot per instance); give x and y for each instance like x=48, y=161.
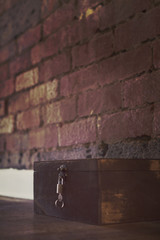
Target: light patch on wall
x=16, y=183
x=89, y=12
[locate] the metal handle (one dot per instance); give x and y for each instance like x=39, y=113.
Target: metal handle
x=59, y=190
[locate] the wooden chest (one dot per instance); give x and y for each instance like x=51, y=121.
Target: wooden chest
x=99, y=191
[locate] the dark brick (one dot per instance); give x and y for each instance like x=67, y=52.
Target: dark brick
x=29, y=38
x=2, y=107
x=48, y=6
x=20, y=63
x=7, y=52
x=156, y=54
x=4, y=72
x=17, y=142
x=98, y=101
x=138, y=30
x=37, y=138
x=119, y=10
x=2, y=144
x=125, y=65
x=51, y=137
x=142, y=90
x=58, y=19
x=6, y=87
x=22, y=16
x=156, y=121
x=127, y=124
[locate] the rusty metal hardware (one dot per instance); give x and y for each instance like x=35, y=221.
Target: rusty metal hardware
x=59, y=189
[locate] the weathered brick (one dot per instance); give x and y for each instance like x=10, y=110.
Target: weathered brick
x=138, y=30
x=52, y=89
x=19, y=102
x=83, y=131
x=27, y=79
x=17, y=142
x=44, y=92
x=51, y=113
x=7, y=52
x=117, y=11
x=7, y=124
x=37, y=138
x=6, y=87
x=20, y=63
x=81, y=80
x=56, y=66
x=142, y=90
x=125, y=65
x=51, y=137
x=156, y=54
x=126, y=124
x=156, y=120
x=2, y=107
x=38, y=95
x=28, y=119
x=101, y=100
x=29, y=38
x=4, y=73
x=58, y=19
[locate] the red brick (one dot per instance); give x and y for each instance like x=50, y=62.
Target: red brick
x=68, y=109
x=56, y=66
x=142, y=90
x=6, y=87
x=2, y=144
x=27, y=79
x=4, y=73
x=20, y=63
x=119, y=10
x=156, y=120
x=100, y=100
x=30, y=37
x=37, y=138
x=7, y=124
x=28, y=119
x=51, y=45
x=7, y=52
x=73, y=33
x=58, y=19
x=125, y=65
x=48, y=6
x=19, y=102
x=83, y=131
x=156, y=54
x=126, y=124
x=83, y=79
x=17, y=142
x=37, y=53
x=138, y=30
x=2, y=107
x=51, y=137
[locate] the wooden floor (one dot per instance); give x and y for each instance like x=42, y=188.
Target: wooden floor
x=17, y=221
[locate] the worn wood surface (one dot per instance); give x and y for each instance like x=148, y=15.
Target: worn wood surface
x=18, y=222
x=100, y=191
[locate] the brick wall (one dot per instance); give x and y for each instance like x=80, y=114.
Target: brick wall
x=79, y=79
